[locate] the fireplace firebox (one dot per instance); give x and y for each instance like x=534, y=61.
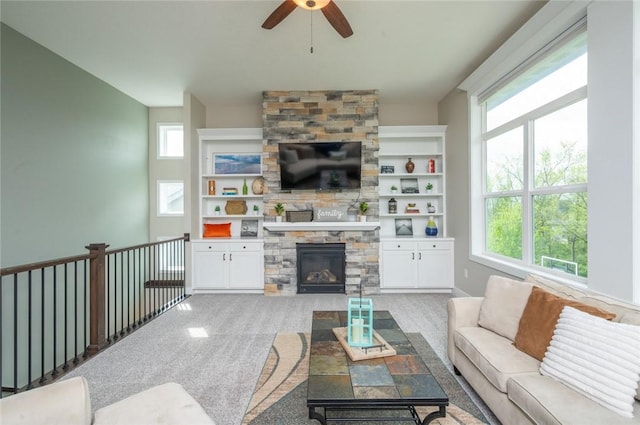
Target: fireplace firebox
x=321, y=268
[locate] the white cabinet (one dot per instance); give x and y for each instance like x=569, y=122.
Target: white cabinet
x=228, y=265
x=417, y=264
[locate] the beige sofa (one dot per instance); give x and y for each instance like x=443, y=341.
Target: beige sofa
x=67, y=403
x=482, y=337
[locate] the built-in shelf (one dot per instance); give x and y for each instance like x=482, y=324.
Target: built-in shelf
x=321, y=226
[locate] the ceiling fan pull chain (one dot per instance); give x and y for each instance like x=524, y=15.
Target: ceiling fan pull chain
x=311, y=50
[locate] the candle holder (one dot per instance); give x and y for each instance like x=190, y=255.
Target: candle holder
x=360, y=322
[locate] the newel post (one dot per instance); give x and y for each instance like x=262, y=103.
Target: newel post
x=97, y=338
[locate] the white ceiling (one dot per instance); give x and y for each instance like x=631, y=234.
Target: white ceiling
x=414, y=52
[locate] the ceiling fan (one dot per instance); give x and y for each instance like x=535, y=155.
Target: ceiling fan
x=329, y=10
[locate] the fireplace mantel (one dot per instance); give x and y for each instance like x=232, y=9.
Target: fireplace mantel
x=322, y=226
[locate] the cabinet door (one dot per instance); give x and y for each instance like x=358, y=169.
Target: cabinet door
x=398, y=265
x=246, y=266
x=210, y=266
x=435, y=264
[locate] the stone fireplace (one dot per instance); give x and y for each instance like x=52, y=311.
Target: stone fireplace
x=322, y=116
x=320, y=268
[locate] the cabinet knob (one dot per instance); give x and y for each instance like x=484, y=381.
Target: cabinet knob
x=434, y=246
x=209, y=247
x=398, y=246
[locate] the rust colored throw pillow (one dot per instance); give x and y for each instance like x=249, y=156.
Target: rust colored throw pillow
x=539, y=319
x=221, y=230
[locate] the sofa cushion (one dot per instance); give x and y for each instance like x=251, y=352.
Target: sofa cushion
x=556, y=288
x=504, y=301
x=550, y=402
x=494, y=355
x=539, y=319
x=163, y=404
x=597, y=358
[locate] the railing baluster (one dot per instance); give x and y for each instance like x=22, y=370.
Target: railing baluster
x=54, y=373
x=75, y=312
x=42, y=332
x=66, y=318
x=29, y=351
x=15, y=331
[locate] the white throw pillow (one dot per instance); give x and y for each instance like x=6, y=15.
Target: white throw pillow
x=595, y=357
x=503, y=304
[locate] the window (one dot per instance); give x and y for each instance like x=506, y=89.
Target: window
x=170, y=197
x=534, y=162
x=170, y=141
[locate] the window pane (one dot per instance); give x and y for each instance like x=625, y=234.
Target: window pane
x=170, y=198
x=557, y=74
x=560, y=145
x=170, y=141
x=504, y=226
x=504, y=170
x=560, y=232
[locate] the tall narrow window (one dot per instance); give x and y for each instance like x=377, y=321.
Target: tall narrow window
x=170, y=141
x=170, y=197
x=534, y=166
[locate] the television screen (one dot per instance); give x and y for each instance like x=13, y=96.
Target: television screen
x=321, y=165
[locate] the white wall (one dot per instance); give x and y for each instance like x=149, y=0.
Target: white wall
x=611, y=153
x=250, y=115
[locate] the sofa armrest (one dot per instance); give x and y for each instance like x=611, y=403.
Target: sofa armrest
x=461, y=312
x=60, y=403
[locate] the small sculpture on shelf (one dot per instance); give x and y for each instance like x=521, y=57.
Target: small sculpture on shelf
x=430, y=208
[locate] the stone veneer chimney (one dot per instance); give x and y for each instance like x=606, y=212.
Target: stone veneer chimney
x=303, y=116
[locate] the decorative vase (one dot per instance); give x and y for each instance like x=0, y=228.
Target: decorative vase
x=432, y=228
x=245, y=188
x=409, y=166
x=363, y=218
x=278, y=218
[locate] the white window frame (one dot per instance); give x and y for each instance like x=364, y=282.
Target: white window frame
x=161, y=130
x=527, y=192
x=550, y=22
x=158, y=205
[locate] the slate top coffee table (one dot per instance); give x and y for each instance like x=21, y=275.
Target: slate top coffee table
x=368, y=387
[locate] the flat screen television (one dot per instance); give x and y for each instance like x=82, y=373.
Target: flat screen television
x=320, y=165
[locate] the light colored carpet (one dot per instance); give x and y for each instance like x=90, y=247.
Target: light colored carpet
x=215, y=346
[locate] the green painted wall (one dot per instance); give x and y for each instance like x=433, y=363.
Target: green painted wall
x=73, y=158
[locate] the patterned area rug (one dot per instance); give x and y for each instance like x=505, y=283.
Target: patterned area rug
x=280, y=395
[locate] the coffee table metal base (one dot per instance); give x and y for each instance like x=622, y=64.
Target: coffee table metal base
x=415, y=418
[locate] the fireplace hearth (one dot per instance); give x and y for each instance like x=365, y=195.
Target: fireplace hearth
x=321, y=268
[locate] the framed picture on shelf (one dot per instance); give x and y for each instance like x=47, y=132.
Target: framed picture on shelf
x=230, y=163
x=387, y=169
x=249, y=229
x=409, y=186
x=404, y=227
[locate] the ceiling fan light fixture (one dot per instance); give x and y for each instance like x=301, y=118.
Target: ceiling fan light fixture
x=312, y=4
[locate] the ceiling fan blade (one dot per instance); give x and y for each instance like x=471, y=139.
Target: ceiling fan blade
x=279, y=14
x=337, y=20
